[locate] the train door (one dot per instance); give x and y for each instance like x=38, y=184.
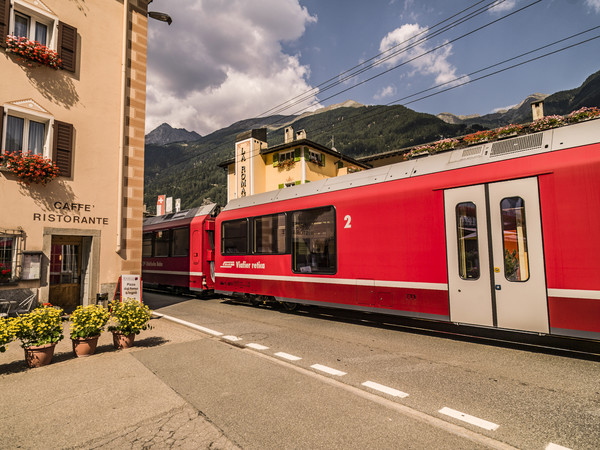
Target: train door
x=496, y=274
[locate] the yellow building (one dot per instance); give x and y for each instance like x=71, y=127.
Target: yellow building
x=258, y=168
x=68, y=240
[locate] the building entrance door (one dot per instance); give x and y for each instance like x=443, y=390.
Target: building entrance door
x=65, y=271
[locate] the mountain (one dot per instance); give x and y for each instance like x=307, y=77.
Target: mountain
x=563, y=102
x=517, y=114
x=165, y=134
x=189, y=170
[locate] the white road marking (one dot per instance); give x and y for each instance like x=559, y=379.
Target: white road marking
x=188, y=324
x=385, y=389
x=257, y=346
x=232, y=338
x=552, y=446
x=288, y=356
x=469, y=419
x=328, y=370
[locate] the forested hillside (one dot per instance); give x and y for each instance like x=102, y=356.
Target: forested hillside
x=189, y=170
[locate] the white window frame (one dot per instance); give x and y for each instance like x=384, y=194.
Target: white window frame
x=28, y=115
x=287, y=156
x=318, y=157
x=35, y=14
x=289, y=184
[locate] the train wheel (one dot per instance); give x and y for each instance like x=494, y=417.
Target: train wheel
x=289, y=306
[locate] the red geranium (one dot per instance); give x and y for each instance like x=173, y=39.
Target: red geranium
x=30, y=168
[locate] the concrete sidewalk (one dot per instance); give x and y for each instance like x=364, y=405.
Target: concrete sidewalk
x=107, y=400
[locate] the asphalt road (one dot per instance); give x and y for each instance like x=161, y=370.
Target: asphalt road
x=317, y=378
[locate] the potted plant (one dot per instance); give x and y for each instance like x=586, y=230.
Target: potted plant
x=86, y=325
x=6, y=333
x=39, y=331
x=128, y=318
x=30, y=168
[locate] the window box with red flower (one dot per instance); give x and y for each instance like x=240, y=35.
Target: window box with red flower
x=32, y=51
x=29, y=168
x=5, y=273
x=479, y=137
x=508, y=131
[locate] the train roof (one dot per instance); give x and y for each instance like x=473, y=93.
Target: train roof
x=561, y=138
x=179, y=218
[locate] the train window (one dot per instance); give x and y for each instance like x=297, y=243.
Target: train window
x=181, y=242
x=514, y=237
x=269, y=234
x=234, y=237
x=468, y=246
x=147, y=245
x=162, y=240
x=314, y=241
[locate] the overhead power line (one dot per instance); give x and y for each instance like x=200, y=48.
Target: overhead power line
x=399, y=65
x=550, y=53
x=375, y=61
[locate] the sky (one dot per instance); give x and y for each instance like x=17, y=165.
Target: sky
x=222, y=61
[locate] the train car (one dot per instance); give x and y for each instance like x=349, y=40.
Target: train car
x=501, y=235
x=178, y=251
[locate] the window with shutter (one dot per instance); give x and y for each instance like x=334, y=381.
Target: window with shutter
x=25, y=129
x=62, y=153
x=67, y=46
x=1, y=123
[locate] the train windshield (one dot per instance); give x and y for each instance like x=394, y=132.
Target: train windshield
x=313, y=241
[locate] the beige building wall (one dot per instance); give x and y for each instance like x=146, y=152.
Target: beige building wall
x=104, y=100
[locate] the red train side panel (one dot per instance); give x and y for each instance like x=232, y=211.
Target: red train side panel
x=177, y=250
x=395, y=249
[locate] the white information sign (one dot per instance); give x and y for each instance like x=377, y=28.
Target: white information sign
x=131, y=287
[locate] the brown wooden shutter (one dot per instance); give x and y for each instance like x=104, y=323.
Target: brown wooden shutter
x=4, y=19
x=1, y=125
x=62, y=148
x=67, y=46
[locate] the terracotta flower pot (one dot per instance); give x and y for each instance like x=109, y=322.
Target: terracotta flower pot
x=121, y=340
x=85, y=346
x=37, y=356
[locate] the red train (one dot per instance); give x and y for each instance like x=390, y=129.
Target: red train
x=178, y=251
x=501, y=235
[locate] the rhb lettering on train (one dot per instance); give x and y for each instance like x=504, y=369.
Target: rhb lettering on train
x=152, y=264
x=242, y=265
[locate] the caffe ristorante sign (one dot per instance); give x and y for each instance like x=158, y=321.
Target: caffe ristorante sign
x=69, y=212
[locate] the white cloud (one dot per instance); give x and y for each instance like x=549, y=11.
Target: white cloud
x=419, y=56
x=385, y=92
x=503, y=6
x=594, y=4
x=222, y=61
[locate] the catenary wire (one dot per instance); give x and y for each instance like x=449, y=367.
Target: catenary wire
x=352, y=87
x=490, y=74
x=374, y=61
